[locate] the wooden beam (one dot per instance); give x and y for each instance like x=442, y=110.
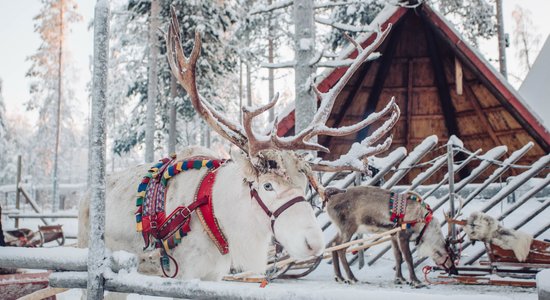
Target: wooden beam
x=403, y=89
x=409, y=103
x=449, y=111
x=381, y=74
x=459, y=75
x=512, y=131
x=441, y=82
x=481, y=116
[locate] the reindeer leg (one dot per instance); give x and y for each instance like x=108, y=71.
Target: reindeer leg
x=335, y=263
x=342, y=254
x=406, y=250
x=398, y=261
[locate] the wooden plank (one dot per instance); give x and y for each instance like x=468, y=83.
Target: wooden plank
x=13, y=286
x=441, y=82
x=458, y=77
x=409, y=104
x=381, y=74
x=479, y=280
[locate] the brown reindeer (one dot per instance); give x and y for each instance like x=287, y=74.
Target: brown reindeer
x=367, y=209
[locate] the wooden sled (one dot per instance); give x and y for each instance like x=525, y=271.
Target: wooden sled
x=15, y=286
x=24, y=237
x=503, y=268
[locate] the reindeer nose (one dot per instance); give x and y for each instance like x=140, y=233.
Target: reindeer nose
x=314, y=247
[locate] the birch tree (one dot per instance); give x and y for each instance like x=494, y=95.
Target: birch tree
x=525, y=39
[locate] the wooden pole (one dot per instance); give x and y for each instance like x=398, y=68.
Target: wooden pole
x=450, y=165
x=97, y=253
x=501, y=40
x=17, y=189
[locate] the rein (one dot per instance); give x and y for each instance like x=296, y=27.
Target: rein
x=273, y=215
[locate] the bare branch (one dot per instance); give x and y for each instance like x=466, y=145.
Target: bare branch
x=342, y=26
x=281, y=65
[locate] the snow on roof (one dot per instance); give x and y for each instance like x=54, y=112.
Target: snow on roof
x=535, y=88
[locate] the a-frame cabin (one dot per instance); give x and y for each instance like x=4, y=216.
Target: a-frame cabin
x=442, y=85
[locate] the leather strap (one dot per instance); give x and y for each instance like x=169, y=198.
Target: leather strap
x=273, y=215
x=206, y=213
x=177, y=219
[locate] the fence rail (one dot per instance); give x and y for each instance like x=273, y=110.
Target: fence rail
x=399, y=164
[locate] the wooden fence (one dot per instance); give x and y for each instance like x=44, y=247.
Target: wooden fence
x=441, y=196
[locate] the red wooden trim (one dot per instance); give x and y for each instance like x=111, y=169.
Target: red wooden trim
x=490, y=75
x=287, y=122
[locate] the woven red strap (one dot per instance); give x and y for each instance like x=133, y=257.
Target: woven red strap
x=177, y=219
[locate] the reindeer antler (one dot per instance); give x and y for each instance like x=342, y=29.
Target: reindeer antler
x=184, y=69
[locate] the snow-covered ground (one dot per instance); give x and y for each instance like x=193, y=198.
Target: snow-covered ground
x=377, y=280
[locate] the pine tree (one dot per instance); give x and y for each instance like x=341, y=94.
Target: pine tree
x=215, y=69
x=50, y=87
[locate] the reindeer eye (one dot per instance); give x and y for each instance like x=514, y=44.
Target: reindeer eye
x=268, y=187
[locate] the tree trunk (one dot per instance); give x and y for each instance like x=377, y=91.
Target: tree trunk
x=55, y=194
x=240, y=90
x=96, y=257
x=501, y=40
x=172, y=126
x=248, y=85
x=304, y=45
x=271, y=76
x=152, y=86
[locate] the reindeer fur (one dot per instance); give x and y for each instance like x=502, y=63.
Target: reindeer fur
x=245, y=225
x=482, y=227
x=365, y=209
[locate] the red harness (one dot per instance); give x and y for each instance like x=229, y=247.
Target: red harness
x=167, y=231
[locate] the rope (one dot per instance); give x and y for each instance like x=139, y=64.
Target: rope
x=494, y=161
x=428, y=269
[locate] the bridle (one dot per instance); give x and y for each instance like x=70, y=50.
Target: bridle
x=273, y=215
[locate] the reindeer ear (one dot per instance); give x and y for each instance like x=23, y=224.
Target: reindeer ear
x=243, y=161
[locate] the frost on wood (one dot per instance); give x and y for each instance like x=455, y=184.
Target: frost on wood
x=414, y=156
x=96, y=255
x=304, y=30
x=58, y=258
x=518, y=181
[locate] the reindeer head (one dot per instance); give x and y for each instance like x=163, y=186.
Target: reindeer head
x=271, y=167
x=433, y=244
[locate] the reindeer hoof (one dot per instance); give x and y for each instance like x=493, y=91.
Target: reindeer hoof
x=399, y=281
x=417, y=284
x=351, y=281
x=339, y=279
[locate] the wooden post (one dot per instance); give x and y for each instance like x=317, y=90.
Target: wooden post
x=450, y=163
x=97, y=253
x=17, y=189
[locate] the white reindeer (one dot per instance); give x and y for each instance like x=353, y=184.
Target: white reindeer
x=267, y=164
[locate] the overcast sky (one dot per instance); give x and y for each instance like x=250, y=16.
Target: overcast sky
x=18, y=41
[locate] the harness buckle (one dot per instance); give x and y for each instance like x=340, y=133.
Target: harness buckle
x=185, y=208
